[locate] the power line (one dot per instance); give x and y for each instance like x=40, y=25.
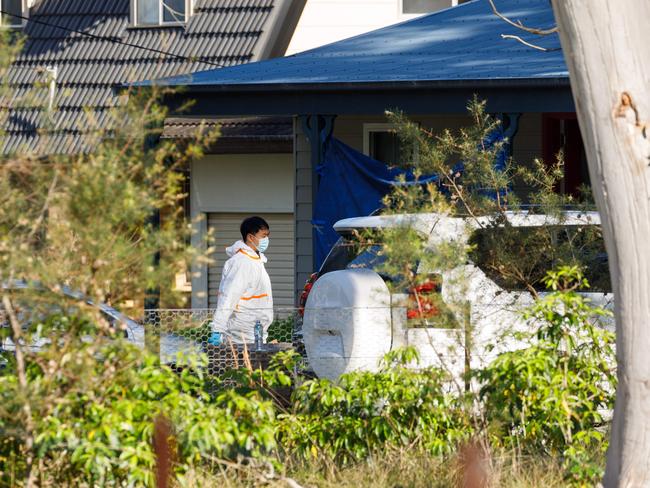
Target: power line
x=112, y=39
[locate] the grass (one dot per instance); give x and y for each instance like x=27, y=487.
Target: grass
x=397, y=469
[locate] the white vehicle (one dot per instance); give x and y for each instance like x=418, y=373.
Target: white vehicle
x=133, y=332
x=351, y=319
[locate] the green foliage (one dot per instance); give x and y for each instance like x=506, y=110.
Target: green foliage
x=546, y=399
x=282, y=373
x=514, y=258
x=368, y=412
x=99, y=430
x=85, y=220
x=281, y=330
x=553, y=395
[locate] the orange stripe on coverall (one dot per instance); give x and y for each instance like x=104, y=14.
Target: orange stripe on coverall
x=264, y=295
x=246, y=254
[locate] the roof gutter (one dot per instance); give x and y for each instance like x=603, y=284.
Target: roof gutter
x=553, y=82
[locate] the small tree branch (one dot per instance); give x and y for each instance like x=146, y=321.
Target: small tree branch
x=21, y=369
x=525, y=43
x=519, y=25
x=46, y=205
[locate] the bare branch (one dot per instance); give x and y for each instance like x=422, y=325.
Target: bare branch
x=519, y=25
x=21, y=370
x=525, y=43
x=46, y=204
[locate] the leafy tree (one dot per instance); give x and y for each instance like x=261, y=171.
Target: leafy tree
x=470, y=185
x=84, y=222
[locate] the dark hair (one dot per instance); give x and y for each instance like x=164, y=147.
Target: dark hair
x=252, y=225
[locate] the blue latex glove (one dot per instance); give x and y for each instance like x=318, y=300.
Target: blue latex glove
x=215, y=339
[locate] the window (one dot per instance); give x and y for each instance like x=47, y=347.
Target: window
x=527, y=253
x=161, y=12
x=426, y=6
x=560, y=132
x=381, y=142
x=13, y=10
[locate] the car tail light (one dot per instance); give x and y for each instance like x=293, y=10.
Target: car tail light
x=422, y=301
x=305, y=293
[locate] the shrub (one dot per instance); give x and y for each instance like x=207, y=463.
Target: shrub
x=97, y=426
x=367, y=412
x=553, y=395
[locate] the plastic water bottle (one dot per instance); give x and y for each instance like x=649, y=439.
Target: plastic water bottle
x=259, y=336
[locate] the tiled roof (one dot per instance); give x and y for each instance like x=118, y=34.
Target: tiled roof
x=459, y=45
x=257, y=128
x=237, y=135
x=219, y=33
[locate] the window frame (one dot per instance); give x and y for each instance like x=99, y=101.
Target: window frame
x=376, y=127
x=400, y=8
x=189, y=11
x=379, y=127
x=24, y=12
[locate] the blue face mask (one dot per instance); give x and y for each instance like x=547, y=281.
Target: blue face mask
x=263, y=244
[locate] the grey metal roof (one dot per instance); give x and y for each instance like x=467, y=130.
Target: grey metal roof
x=220, y=32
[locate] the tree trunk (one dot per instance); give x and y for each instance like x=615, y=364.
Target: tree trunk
x=607, y=49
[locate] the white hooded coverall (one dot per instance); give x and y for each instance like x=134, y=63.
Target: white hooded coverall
x=244, y=295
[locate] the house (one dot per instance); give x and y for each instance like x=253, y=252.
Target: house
x=326, y=21
x=78, y=51
x=428, y=67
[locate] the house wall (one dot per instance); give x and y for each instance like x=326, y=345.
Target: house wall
x=349, y=129
x=243, y=183
x=326, y=21
x=235, y=183
x=527, y=143
x=304, y=197
x=527, y=146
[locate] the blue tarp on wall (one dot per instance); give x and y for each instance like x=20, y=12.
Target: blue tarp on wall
x=351, y=185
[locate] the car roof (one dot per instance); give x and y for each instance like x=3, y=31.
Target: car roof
x=427, y=222
x=68, y=292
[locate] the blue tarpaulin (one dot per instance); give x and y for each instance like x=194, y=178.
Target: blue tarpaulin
x=353, y=185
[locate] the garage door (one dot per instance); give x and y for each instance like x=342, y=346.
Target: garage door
x=280, y=255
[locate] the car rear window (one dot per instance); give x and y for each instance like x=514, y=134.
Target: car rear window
x=516, y=256
x=348, y=253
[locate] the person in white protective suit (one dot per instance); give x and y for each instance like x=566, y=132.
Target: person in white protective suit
x=245, y=290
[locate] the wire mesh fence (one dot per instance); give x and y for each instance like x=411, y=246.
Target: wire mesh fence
x=333, y=341
x=177, y=334
x=174, y=334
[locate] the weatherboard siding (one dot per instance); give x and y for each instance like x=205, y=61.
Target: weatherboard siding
x=304, y=196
